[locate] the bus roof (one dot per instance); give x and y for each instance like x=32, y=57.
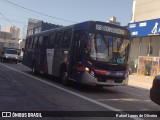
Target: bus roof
x=83, y=25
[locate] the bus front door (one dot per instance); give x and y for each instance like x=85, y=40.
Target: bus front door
x=76, y=53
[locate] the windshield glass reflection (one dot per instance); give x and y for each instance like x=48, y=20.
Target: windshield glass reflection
x=108, y=48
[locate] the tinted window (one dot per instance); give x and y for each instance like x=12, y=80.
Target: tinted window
x=40, y=41
x=59, y=37
x=31, y=43
x=27, y=43
x=51, y=41
x=35, y=42
x=45, y=41
x=66, y=40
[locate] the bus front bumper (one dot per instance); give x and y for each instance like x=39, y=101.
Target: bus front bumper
x=91, y=80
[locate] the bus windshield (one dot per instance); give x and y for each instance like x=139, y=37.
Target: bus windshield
x=108, y=48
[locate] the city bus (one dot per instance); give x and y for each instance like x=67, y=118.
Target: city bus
x=91, y=52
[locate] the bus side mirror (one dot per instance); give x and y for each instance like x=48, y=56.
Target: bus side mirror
x=2, y=52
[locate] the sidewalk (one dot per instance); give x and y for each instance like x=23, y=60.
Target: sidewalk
x=140, y=81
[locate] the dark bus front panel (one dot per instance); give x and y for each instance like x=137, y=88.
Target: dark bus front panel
x=105, y=72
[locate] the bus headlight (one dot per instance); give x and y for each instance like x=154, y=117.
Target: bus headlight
x=89, y=71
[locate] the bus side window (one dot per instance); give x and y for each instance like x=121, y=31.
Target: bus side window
x=35, y=42
x=51, y=41
x=81, y=43
x=66, y=40
x=27, y=43
x=40, y=41
x=46, y=41
x=59, y=38
x=30, y=43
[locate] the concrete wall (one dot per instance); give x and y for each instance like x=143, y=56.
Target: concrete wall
x=145, y=10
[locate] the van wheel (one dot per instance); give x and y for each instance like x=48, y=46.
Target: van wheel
x=64, y=76
x=34, y=71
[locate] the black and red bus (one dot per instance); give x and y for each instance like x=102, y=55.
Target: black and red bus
x=91, y=52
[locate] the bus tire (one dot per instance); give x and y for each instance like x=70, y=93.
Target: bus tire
x=34, y=71
x=3, y=61
x=64, y=76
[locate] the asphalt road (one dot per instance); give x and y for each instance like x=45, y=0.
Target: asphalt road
x=22, y=91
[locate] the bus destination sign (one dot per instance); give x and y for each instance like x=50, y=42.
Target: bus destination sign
x=110, y=29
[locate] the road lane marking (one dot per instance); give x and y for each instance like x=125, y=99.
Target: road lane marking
x=73, y=93
x=123, y=99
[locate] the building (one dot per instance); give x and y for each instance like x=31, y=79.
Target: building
x=145, y=32
x=145, y=10
x=37, y=26
x=14, y=31
x=113, y=20
x=5, y=36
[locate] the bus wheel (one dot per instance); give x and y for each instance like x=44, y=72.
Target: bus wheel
x=64, y=77
x=34, y=71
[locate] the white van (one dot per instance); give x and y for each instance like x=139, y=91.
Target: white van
x=10, y=55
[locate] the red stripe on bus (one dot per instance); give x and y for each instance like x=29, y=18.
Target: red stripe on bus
x=101, y=72
x=81, y=68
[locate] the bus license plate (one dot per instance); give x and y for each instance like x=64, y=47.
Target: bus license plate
x=110, y=81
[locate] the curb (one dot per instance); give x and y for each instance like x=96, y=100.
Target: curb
x=143, y=75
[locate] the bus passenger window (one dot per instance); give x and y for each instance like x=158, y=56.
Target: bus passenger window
x=59, y=38
x=51, y=41
x=46, y=41
x=35, y=42
x=66, y=40
x=31, y=43
x=27, y=43
x=40, y=41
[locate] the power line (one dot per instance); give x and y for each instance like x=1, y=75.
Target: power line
x=14, y=21
x=37, y=11
x=29, y=12
x=6, y=19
